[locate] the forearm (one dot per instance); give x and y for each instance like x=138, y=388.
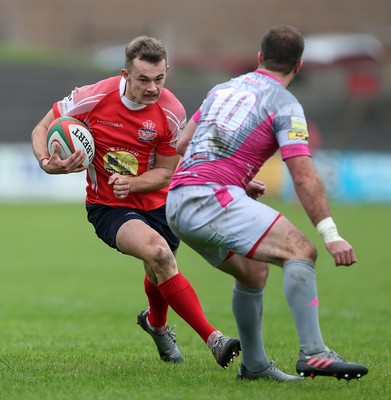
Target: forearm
x=316, y=206
x=150, y=181
x=38, y=139
x=312, y=196
x=39, y=135
x=309, y=188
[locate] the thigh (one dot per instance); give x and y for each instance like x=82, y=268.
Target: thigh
x=284, y=242
x=137, y=239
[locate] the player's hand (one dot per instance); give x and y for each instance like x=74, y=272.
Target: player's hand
x=121, y=186
x=342, y=252
x=55, y=165
x=255, y=189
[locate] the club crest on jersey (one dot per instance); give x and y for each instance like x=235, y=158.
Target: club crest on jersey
x=147, y=133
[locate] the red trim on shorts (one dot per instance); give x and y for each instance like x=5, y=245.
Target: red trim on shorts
x=229, y=255
x=252, y=251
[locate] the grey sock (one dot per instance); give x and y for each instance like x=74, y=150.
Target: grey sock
x=301, y=295
x=247, y=307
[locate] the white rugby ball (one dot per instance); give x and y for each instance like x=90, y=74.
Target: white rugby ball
x=70, y=135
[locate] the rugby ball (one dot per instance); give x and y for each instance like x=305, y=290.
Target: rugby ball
x=70, y=135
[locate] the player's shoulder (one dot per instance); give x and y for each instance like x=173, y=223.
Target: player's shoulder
x=101, y=87
x=287, y=99
x=170, y=103
x=109, y=84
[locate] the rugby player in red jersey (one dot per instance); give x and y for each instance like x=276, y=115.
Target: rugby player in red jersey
x=135, y=123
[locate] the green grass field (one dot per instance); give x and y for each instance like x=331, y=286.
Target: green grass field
x=68, y=307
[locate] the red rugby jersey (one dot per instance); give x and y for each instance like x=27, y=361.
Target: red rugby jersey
x=126, y=140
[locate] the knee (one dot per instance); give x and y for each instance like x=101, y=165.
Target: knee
x=161, y=259
x=308, y=250
x=252, y=274
x=261, y=274
x=161, y=254
x=313, y=254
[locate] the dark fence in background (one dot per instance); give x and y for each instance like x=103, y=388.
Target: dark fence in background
x=337, y=119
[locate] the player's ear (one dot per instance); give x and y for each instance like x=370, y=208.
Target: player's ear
x=298, y=67
x=125, y=73
x=260, y=58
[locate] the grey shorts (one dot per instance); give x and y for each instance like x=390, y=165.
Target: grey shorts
x=218, y=220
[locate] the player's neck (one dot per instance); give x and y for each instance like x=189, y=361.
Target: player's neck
x=284, y=79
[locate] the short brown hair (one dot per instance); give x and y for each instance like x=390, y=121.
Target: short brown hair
x=145, y=48
x=282, y=48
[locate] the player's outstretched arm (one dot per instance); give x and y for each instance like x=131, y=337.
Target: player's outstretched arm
x=310, y=190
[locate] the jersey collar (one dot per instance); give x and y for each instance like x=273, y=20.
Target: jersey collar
x=258, y=71
x=128, y=103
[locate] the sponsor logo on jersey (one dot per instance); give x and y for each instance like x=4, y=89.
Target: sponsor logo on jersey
x=147, y=133
x=253, y=81
x=114, y=124
x=120, y=162
x=294, y=135
x=298, y=131
x=299, y=125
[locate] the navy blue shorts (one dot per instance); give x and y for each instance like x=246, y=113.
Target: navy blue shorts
x=107, y=221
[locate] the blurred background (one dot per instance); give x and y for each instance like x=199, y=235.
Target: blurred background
x=47, y=47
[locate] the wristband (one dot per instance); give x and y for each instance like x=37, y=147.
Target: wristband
x=41, y=159
x=328, y=230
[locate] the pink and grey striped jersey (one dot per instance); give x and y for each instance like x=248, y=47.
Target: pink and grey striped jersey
x=240, y=125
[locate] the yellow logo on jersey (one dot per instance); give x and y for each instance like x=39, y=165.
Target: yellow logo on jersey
x=299, y=131
x=292, y=135
x=300, y=126
x=120, y=162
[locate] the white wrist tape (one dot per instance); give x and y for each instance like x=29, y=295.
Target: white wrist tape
x=328, y=230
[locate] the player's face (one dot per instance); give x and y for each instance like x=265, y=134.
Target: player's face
x=145, y=81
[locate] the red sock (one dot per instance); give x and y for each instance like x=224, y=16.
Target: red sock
x=158, y=307
x=182, y=298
